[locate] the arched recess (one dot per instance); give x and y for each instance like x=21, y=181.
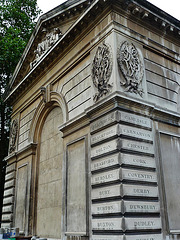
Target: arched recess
x=56, y=99
x=47, y=167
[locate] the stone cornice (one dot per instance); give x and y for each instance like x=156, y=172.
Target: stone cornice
x=146, y=12
x=116, y=101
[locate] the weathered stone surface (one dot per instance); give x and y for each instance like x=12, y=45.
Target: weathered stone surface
x=8, y=200
x=136, y=207
x=9, y=192
x=133, y=132
x=105, y=177
x=144, y=237
x=142, y=223
x=105, y=148
x=10, y=176
x=118, y=116
x=9, y=184
x=105, y=121
x=7, y=217
x=107, y=224
x=105, y=162
x=76, y=187
x=109, y=207
x=108, y=237
x=106, y=192
x=136, y=146
x=6, y=225
x=140, y=191
x=7, y=209
x=105, y=134
x=135, y=119
x=138, y=175
x=10, y=168
x=49, y=195
x=134, y=160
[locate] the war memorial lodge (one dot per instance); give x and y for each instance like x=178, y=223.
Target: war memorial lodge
x=94, y=150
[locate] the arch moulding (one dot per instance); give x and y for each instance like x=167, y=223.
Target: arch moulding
x=56, y=100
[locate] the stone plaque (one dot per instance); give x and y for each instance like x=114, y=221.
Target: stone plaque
x=107, y=224
x=139, y=191
x=105, y=177
x=136, y=133
x=141, y=161
x=144, y=237
x=109, y=237
x=135, y=206
x=142, y=223
x=104, y=121
x=136, y=146
x=104, y=134
x=105, y=162
x=138, y=175
x=106, y=192
x=109, y=207
x=135, y=120
x=105, y=148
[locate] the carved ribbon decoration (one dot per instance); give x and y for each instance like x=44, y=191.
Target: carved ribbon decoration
x=131, y=67
x=101, y=70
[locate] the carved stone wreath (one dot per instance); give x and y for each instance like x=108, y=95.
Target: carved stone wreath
x=13, y=136
x=131, y=67
x=101, y=70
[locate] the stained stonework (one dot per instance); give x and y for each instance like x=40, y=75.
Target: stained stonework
x=130, y=64
x=49, y=198
x=13, y=136
x=96, y=155
x=101, y=70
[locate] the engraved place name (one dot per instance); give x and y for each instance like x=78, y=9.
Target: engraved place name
x=106, y=192
x=138, y=175
x=104, y=121
x=105, y=148
x=142, y=223
x=105, y=177
x=139, y=191
x=141, y=161
x=148, y=207
x=104, y=134
x=144, y=237
x=105, y=162
x=108, y=237
x=107, y=224
x=137, y=146
x=135, y=119
x=105, y=208
x=136, y=133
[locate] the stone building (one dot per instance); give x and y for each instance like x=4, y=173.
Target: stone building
x=95, y=139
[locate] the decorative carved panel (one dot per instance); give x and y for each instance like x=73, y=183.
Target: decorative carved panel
x=101, y=70
x=48, y=41
x=131, y=66
x=13, y=136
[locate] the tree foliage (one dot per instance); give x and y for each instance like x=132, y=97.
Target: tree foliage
x=17, y=20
